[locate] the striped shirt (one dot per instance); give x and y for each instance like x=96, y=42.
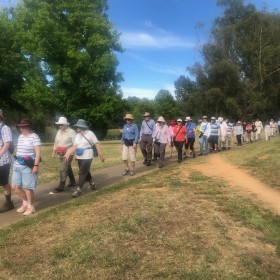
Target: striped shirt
x=6, y=136
x=26, y=144
x=214, y=129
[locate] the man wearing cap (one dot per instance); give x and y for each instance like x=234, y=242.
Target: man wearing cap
x=64, y=139
x=215, y=132
x=129, y=142
x=203, y=136
x=146, y=139
x=5, y=163
x=191, y=130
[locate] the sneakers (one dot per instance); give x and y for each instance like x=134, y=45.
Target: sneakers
x=148, y=163
x=77, y=192
x=59, y=189
x=132, y=173
x=92, y=186
x=126, y=172
x=22, y=208
x=29, y=211
x=7, y=207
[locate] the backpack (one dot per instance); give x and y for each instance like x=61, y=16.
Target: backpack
x=12, y=146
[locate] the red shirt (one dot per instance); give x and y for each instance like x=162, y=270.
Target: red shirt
x=181, y=135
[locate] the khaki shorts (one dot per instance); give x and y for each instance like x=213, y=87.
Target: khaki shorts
x=128, y=153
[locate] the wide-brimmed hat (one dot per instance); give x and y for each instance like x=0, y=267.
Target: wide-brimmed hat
x=239, y=122
x=81, y=124
x=188, y=119
x=24, y=123
x=213, y=118
x=128, y=117
x=161, y=119
x=204, y=117
x=1, y=115
x=220, y=119
x=179, y=120
x=147, y=114
x=62, y=120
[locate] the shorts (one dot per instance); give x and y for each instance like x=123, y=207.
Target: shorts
x=4, y=174
x=128, y=153
x=213, y=139
x=24, y=178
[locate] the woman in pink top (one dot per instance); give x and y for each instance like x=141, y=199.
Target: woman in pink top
x=161, y=137
x=172, y=123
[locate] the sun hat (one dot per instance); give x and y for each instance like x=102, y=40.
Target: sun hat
x=220, y=119
x=128, y=117
x=204, y=117
x=81, y=124
x=24, y=123
x=188, y=119
x=147, y=114
x=161, y=119
x=62, y=120
x=172, y=122
x=1, y=115
x=179, y=120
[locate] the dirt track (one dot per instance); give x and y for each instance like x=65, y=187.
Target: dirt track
x=215, y=166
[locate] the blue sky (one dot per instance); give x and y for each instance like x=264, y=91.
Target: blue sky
x=161, y=39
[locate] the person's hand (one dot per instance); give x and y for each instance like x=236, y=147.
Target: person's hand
x=53, y=154
x=35, y=169
x=102, y=158
x=134, y=146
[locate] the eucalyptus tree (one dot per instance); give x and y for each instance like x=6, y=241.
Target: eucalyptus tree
x=73, y=44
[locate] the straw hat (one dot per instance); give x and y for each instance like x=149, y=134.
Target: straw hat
x=62, y=120
x=147, y=114
x=204, y=117
x=161, y=119
x=179, y=120
x=188, y=119
x=128, y=117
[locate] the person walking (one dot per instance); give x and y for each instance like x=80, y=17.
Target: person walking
x=146, y=139
x=5, y=163
x=223, y=136
x=203, y=136
x=267, y=131
x=190, y=134
x=229, y=133
x=84, y=143
x=172, y=123
x=248, y=129
x=238, y=132
x=64, y=139
x=161, y=137
x=278, y=124
x=26, y=167
x=129, y=141
x=180, y=138
x=259, y=127
x=215, y=132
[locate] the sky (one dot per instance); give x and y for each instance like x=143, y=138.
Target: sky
x=161, y=39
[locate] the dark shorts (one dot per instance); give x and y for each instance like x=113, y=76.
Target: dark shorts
x=213, y=139
x=4, y=174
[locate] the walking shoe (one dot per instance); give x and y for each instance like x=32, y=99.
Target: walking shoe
x=7, y=206
x=91, y=187
x=29, y=211
x=70, y=185
x=148, y=163
x=59, y=189
x=126, y=172
x=145, y=161
x=77, y=192
x=154, y=159
x=179, y=160
x=22, y=208
x=132, y=173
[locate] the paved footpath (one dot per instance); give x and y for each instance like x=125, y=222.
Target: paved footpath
x=102, y=177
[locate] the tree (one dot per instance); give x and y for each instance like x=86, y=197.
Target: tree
x=73, y=45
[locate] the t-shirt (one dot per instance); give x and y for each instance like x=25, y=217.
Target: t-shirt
x=214, y=129
x=26, y=145
x=190, y=127
x=81, y=142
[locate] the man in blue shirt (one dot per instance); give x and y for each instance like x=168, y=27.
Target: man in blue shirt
x=129, y=142
x=191, y=129
x=146, y=139
x=215, y=132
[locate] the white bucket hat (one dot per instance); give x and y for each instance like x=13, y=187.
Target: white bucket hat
x=62, y=120
x=188, y=119
x=220, y=119
x=161, y=119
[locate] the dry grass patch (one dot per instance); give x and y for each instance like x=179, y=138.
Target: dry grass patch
x=159, y=226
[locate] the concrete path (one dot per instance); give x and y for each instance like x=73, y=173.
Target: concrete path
x=102, y=177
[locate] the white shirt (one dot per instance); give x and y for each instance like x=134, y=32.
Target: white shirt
x=81, y=142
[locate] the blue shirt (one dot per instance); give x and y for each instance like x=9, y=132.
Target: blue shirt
x=190, y=127
x=214, y=129
x=147, y=127
x=130, y=132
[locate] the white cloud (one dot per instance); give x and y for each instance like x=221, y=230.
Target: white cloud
x=138, y=40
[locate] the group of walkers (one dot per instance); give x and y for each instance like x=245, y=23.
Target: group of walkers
x=83, y=145
x=216, y=135
x=68, y=144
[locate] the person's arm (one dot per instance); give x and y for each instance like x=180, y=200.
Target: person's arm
x=37, y=159
x=4, y=148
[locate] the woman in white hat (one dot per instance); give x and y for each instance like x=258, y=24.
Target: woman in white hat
x=64, y=139
x=84, y=143
x=161, y=137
